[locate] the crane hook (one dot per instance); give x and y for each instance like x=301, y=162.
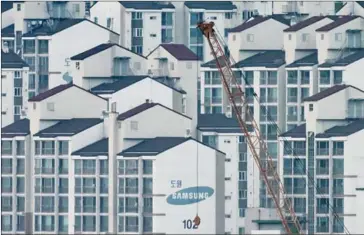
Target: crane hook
x=197, y=220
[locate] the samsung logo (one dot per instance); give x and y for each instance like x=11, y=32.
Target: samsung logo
x=190, y=195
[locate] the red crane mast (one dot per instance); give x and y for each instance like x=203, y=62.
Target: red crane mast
x=256, y=143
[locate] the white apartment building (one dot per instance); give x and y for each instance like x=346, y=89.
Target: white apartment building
x=222, y=13
x=14, y=81
x=143, y=25
x=48, y=48
x=222, y=132
x=321, y=161
x=72, y=183
x=248, y=39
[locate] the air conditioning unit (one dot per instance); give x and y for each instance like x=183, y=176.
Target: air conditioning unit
x=188, y=133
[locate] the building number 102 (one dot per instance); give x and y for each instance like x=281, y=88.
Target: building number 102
x=189, y=224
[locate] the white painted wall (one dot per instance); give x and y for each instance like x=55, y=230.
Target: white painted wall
x=156, y=121
x=7, y=17
x=352, y=74
x=70, y=42
x=87, y=137
x=182, y=165
x=104, y=10
x=351, y=8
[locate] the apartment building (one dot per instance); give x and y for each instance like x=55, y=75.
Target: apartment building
x=142, y=25
x=222, y=13
x=48, y=54
x=320, y=161
x=14, y=81
x=223, y=132
x=73, y=186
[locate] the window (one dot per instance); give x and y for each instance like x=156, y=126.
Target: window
x=137, y=32
x=322, y=166
x=31, y=62
x=305, y=37
x=76, y=8
x=136, y=15
x=153, y=17
x=338, y=36
x=63, y=147
x=20, y=148
x=228, y=15
x=96, y=20
x=292, y=95
x=17, y=74
x=17, y=109
x=324, y=77
x=338, y=77
x=189, y=65
x=153, y=35
x=305, y=77
x=338, y=167
x=322, y=206
x=338, y=148
x=322, y=225
x=250, y=38
x=310, y=107
x=322, y=36
x=50, y=106
x=290, y=37
x=323, y=186
x=134, y=125
x=172, y=66
x=167, y=18
x=18, y=7
x=42, y=46
x=28, y=46
x=292, y=77
x=109, y=22
x=17, y=91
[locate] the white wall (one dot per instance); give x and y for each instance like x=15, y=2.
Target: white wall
x=7, y=17
x=70, y=42
x=352, y=74
x=104, y=10
x=132, y=96
x=87, y=137
x=156, y=121
x=182, y=165
x=351, y=8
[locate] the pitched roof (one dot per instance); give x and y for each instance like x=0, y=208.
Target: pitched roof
x=257, y=20
x=97, y=49
x=141, y=108
x=341, y=20
x=58, y=26
x=147, y=5
x=11, y=60
x=212, y=63
x=327, y=92
x=217, y=120
x=99, y=148
x=18, y=128
x=123, y=82
x=309, y=60
x=345, y=60
x=56, y=90
x=269, y=59
x=304, y=24
x=8, y=31
x=297, y=132
x=179, y=51
x=6, y=5
x=345, y=130
x=212, y=5
x=68, y=127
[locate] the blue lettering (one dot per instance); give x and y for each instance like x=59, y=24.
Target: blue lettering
x=190, y=195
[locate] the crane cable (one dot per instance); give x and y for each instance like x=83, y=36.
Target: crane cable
x=303, y=167
x=197, y=219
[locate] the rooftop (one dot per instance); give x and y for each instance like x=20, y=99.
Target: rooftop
x=345, y=60
x=6, y=5
x=269, y=59
x=11, y=60
x=345, y=130
x=8, y=31
x=219, y=123
x=212, y=5
x=17, y=128
x=341, y=20
x=179, y=51
x=297, y=132
x=58, y=26
x=55, y=91
x=257, y=20
x=304, y=24
x=123, y=82
x=99, y=148
x=141, y=108
x=98, y=49
x=68, y=127
x=309, y=60
x=147, y=5
x=212, y=63
x=327, y=92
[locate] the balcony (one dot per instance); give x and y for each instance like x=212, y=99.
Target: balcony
x=163, y=72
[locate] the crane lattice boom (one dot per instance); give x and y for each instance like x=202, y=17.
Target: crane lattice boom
x=256, y=143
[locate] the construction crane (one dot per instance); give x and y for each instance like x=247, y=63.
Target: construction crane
x=255, y=141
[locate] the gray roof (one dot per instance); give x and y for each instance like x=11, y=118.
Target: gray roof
x=97, y=49
x=6, y=5
x=8, y=31
x=269, y=59
x=309, y=60
x=329, y=91
x=219, y=123
x=155, y=146
x=122, y=82
x=345, y=60
x=257, y=20
x=304, y=24
x=212, y=63
x=297, y=132
x=56, y=90
x=180, y=51
x=68, y=127
x=341, y=20
x=99, y=148
x=147, y=5
x=143, y=107
x=18, y=128
x=11, y=60
x=345, y=130
x=212, y=5
x=58, y=26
